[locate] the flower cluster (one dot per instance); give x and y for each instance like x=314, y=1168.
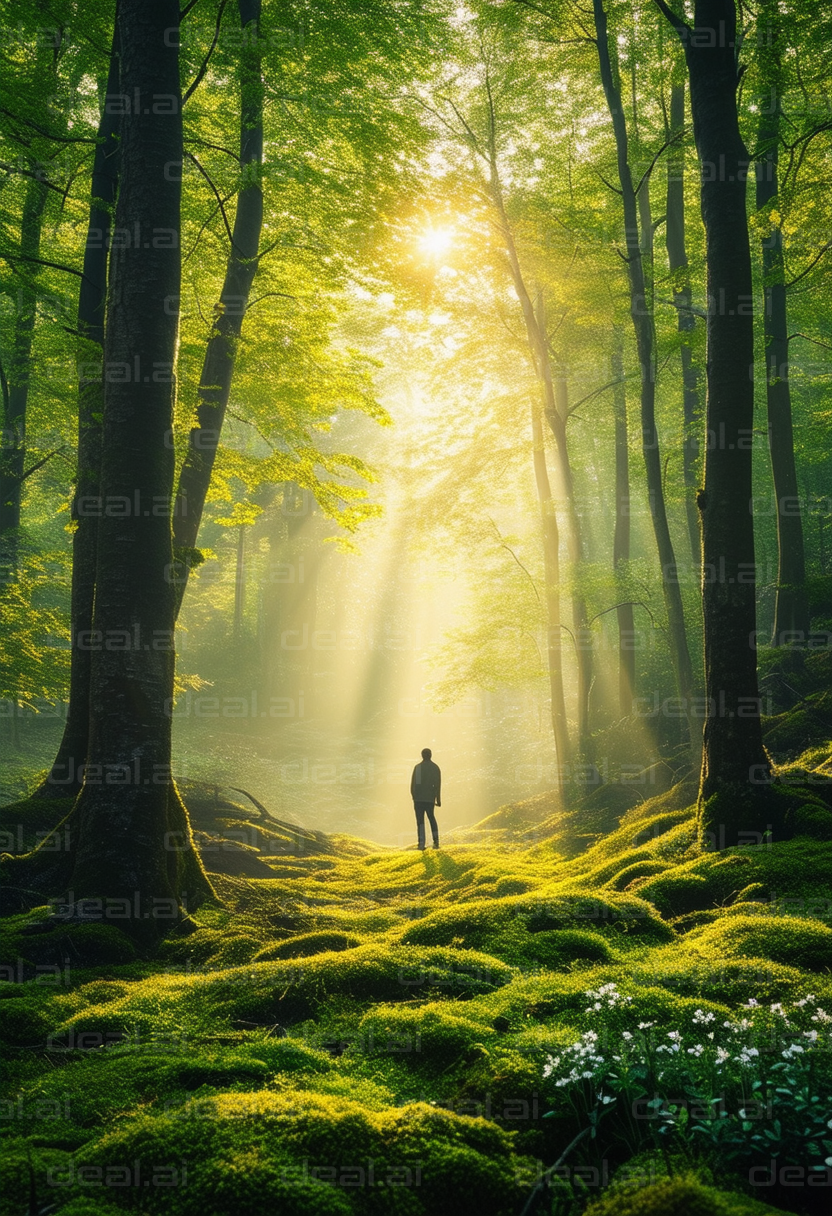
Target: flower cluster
x=606, y=997
x=752, y=1084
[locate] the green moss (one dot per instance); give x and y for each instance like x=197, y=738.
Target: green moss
x=429, y=1038
x=783, y=939
x=795, y=873
x=680, y=1196
x=481, y=924
x=286, y=991
x=562, y=947
x=297, y=1152
x=307, y=944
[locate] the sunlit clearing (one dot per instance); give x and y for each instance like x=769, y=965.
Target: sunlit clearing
x=436, y=242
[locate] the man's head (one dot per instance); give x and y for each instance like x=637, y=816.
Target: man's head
x=426, y=753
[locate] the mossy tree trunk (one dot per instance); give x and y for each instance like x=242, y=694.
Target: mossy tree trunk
x=134, y=860
x=734, y=763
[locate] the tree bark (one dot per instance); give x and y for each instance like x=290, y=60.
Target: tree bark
x=791, y=611
x=65, y=775
x=551, y=566
x=221, y=353
x=646, y=347
x=621, y=535
x=734, y=761
x=13, y=453
x=134, y=848
x=682, y=298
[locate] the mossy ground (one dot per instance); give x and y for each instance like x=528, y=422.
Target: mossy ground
x=365, y=1032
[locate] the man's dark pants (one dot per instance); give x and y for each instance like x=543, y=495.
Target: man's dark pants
x=422, y=809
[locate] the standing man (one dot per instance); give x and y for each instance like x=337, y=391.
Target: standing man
x=425, y=790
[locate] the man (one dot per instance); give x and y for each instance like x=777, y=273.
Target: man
x=424, y=790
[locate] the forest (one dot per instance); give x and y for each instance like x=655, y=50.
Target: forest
x=394, y=388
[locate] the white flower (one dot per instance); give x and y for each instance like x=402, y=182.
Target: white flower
x=696, y=1051
x=645, y=1025
x=675, y=1035
x=705, y=1019
x=794, y=1050
x=721, y=1055
x=625, y=1034
x=751, y=1003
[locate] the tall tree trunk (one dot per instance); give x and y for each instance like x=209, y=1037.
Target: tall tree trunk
x=221, y=353
x=13, y=452
x=646, y=346
x=621, y=536
x=791, y=610
x=734, y=761
x=133, y=845
x=65, y=776
x=555, y=410
x=551, y=567
x=682, y=298
x=239, y=582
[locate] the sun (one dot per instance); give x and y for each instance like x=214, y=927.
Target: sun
x=435, y=242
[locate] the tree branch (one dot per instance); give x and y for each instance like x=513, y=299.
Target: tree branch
x=204, y=68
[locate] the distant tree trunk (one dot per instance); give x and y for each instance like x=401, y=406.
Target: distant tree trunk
x=682, y=298
x=239, y=582
x=221, y=353
x=557, y=412
x=621, y=536
x=791, y=610
x=734, y=762
x=64, y=777
x=133, y=846
x=551, y=566
x=646, y=346
x=19, y=374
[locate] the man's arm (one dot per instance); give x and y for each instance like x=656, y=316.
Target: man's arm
x=438, y=785
x=413, y=783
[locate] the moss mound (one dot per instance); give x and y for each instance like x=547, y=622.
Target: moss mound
x=785, y=939
x=297, y=1152
x=307, y=944
x=684, y=1196
x=796, y=875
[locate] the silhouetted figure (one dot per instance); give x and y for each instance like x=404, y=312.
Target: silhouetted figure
x=425, y=786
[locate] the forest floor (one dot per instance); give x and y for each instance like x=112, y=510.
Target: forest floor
x=366, y=1031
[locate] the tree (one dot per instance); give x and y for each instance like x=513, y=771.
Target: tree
x=65, y=775
x=791, y=610
x=646, y=345
x=734, y=762
x=220, y=353
x=132, y=843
